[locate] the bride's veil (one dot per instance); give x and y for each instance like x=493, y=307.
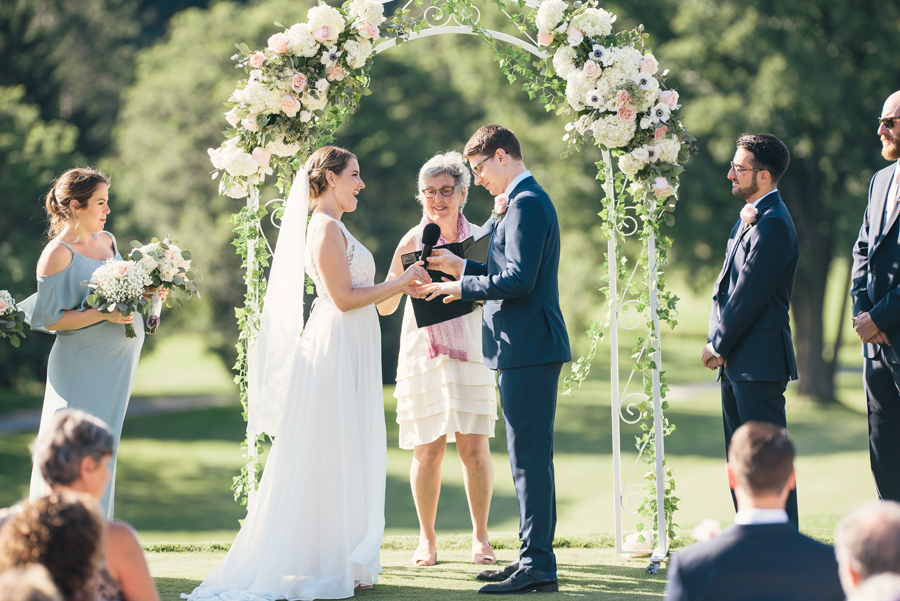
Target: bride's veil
x=271, y=358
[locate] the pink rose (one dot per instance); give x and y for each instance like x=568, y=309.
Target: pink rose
x=545, y=39
x=592, y=70
x=232, y=117
x=576, y=36
x=323, y=34
x=649, y=64
x=334, y=73
x=627, y=113
x=660, y=132
x=623, y=98
x=662, y=188
x=278, y=43
x=122, y=268
x=748, y=214
x=249, y=123
x=184, y=264
x=215, y=158
x=670, y=98
x=501, y=203
x=298, y=82
x=257, y=60
x=169, y=253
x=289, y=105
x=261, y=155
x=368, y=30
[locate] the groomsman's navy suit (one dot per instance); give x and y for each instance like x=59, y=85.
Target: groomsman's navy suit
x=773, y=562
x=876, y=290
x=525, y=340
x=750, y=325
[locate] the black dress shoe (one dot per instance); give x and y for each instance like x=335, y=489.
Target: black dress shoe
x=520, y=582
x=498, y=575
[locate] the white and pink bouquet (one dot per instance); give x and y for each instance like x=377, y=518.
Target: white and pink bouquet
x=168, y=267
x=119, y=286
x=305, y=70
x=616, y=92
x=12, y=321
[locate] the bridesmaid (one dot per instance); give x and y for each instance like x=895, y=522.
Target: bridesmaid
x=92, y=364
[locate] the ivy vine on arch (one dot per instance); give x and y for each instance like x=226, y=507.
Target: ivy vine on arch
x=312, y=76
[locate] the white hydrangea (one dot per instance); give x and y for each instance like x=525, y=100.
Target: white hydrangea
x=314, y=101
x=7, y=303
x=627, y=60
x=668, y=150
x=367, y=10
x=643, y=99
x=564, y=61
x=577, y=88
x=301, y=41
x=594, y=22
x=630, y=165
x=357, y=52
x=259, y=98
x=324, y=15
x=549, y=15
x=236, y=161
x=278, y=147
x=237, y=189
x=612, y=131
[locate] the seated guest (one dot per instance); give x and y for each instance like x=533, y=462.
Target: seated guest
x=867, y=542
x=761, y=555
x=74, y=454
x=60, y=533
x=881, y=587
x=29, y=583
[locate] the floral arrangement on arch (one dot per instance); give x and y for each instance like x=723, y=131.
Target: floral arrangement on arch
x=276, y=112
x=615, y=90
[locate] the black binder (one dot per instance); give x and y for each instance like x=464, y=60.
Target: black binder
x=428, y=313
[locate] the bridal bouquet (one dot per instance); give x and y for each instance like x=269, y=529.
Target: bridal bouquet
x=616, y=91
x=12, y=321
x=119, y=285
x=277, y=111
x=168, y=267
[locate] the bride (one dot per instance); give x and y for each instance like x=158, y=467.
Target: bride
x=314, y=529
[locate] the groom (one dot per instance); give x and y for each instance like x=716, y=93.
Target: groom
x=524, y=338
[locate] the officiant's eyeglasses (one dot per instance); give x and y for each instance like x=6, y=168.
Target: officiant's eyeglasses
x=738, y=169
x=446, y=191
x=888, y=122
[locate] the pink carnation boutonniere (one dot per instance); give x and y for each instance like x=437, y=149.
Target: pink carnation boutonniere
x=748, y=215
x=501, y=203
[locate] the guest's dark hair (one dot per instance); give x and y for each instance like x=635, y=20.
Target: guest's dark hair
x=71, y=436
x=75, y=184
x=769, y=153
x=325, y=159
x=491, y=138
x=61, y=533
x=869, y=539
x=762, y=457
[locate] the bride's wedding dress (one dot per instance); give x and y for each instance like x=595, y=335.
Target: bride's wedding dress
x=314, y=530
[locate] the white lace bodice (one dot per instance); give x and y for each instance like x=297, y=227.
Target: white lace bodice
x=360, y=260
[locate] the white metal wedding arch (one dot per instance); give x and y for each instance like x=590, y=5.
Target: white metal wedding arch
x=622, y=303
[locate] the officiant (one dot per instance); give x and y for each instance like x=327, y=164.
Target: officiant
x=444, y=392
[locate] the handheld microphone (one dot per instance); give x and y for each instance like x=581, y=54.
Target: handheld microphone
x=430, y=236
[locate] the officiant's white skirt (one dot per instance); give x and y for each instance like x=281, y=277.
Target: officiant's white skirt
x=315, y=528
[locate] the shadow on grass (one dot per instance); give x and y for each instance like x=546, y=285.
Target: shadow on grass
x=171, y=588
x=596, y=581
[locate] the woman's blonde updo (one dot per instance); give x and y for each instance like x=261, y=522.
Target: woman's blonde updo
x=325, y=159
x=75, y=184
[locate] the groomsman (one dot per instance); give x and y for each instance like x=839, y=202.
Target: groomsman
x=876, y=307
x=749, y=338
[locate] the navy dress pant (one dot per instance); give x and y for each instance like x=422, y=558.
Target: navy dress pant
x=883, y=403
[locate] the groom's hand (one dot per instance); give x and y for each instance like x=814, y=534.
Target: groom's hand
x=453, y=290
x=443, y=260
x=709, y=359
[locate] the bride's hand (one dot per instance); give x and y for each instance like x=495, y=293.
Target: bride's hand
x=414, y=276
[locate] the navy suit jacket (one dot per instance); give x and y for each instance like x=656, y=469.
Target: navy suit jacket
x=750, y=322
x=767, y=562
x=876, y=257
x=523, y=324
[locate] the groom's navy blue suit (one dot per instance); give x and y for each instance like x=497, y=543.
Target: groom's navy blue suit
x=876, y=290
x=524, y=338
x=750, y=324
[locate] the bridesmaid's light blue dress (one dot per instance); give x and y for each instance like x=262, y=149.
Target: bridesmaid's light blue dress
x=91, y=368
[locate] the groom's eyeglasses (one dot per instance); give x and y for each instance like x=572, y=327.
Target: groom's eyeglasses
x=476, y=168
x=446, y=191
x=888, y=122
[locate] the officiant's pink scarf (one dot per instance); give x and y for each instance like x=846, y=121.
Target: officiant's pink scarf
x=448, y=337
